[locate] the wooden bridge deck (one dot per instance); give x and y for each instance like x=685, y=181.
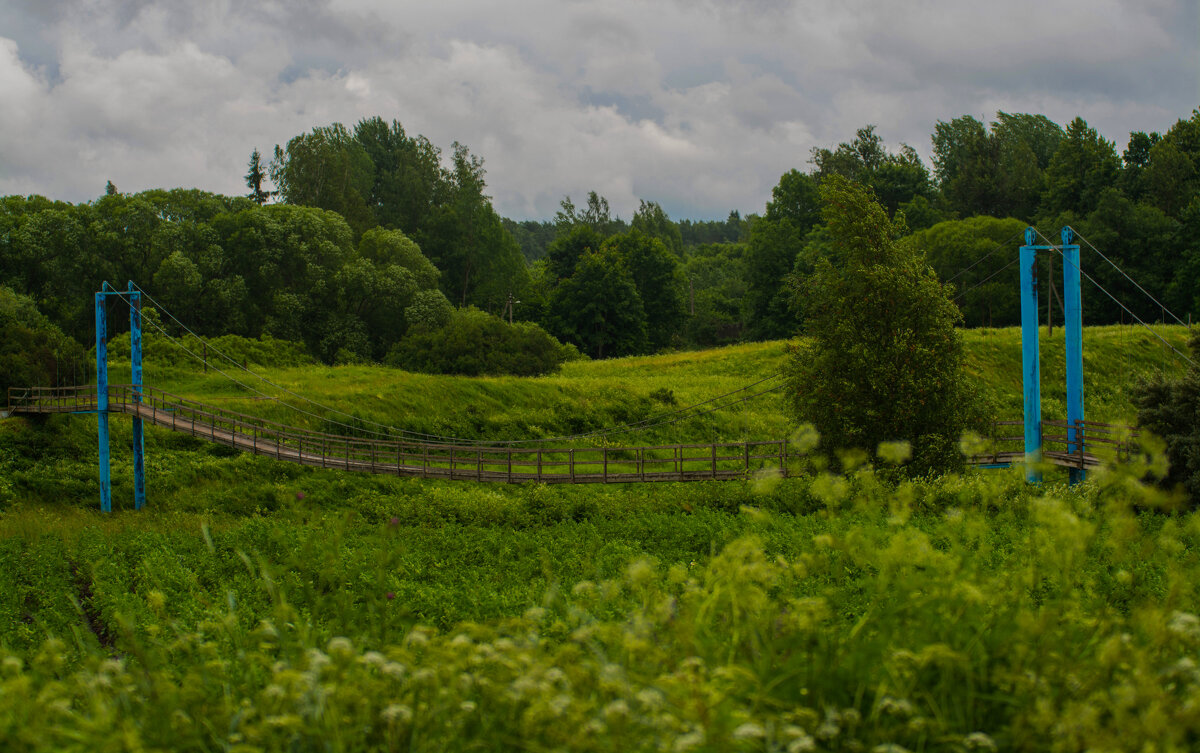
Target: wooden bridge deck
x=495, y=463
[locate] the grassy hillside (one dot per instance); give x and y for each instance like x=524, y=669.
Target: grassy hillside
x=261, y=606
x=591, y=395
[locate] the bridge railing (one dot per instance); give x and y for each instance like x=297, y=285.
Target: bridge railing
x=1100, y=443
x=53, y=399
x=1103, y=442
x=436, y=460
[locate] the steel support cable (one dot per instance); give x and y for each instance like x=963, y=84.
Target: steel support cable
x=681, y=419
x=1116, y=301
x=986, y=256
x=243, y=385
x=619, y=430
x=406, y=432
x=654, y=421
x=987, y=279
x=1127, y=277
x=392, y=430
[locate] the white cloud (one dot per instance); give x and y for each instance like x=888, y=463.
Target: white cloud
x=698, y=105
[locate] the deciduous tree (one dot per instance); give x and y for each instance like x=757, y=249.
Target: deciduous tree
x=882, y=361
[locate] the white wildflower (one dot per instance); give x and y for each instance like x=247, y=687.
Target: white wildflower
x=979, y=741
x=396, y=713
x=689, y=741
x=748, y=731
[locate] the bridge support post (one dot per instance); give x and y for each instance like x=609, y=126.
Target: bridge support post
x=102, y=402
x=1031, y=375
x=1073, y=329
x=135, y=360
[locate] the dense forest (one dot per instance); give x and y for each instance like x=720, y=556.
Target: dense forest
x=366, y=243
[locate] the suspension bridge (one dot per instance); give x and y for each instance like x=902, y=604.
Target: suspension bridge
x=1075, y=443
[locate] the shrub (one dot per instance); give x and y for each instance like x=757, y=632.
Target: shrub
x=474, y=342
x=1170, y=408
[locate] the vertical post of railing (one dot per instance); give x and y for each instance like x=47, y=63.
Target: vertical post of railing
x=1031, y=372
x=452, y=462
x=746, y=455
x=135, y=362
x=539, y=464
x=571, y=460
x=509, y=453
x=102, y=401
x=478, y=464
x=604, y=450
x=714, y=460
x=1073, y=330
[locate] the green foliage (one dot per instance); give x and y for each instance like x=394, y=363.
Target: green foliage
x=1170, y=409
x=960, y=613
x=1001, y=173
x=256, y=175
x=716, y=276
x=329, y=169
x=429, y=309
x=568, y=248
x=1083, y=166
x=158, y=352
x=895, y=178
x=884, y=361
x=986, y=299
x=34, y=352
x=655, y=273
x=599, y=309
x=476, y=343
x=775, y=242
x=652, y=220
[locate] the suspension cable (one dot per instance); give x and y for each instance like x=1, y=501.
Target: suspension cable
x=646, y=423
x=986, y=279
x=1127, y=277
x=1136, y=318
x=980, y=260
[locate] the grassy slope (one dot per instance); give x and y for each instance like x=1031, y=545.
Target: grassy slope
x=589, y=395
x=336, y=543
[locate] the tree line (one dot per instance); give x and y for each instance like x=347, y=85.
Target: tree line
x=350, y=238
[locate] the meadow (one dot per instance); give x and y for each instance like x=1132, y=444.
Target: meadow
x=260, y=606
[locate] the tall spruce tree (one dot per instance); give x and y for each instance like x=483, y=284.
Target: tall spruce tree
x=255, y=177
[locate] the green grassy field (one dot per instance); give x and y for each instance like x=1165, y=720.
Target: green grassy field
x=591, y=395
x=260, y=606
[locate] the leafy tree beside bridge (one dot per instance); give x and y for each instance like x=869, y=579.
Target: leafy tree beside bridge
x=883, y=361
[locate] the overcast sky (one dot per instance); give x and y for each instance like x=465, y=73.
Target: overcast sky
x=697, y=104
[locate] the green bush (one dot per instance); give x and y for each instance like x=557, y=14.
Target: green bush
x=1170, y=409
x=475, y=343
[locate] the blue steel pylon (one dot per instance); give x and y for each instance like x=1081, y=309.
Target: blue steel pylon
x=1031, y=363
x=134, y=297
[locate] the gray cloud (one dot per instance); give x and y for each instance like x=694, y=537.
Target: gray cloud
x=698, y=105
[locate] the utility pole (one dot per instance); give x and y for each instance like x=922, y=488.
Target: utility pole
x=509, y=306
x=691, y=297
